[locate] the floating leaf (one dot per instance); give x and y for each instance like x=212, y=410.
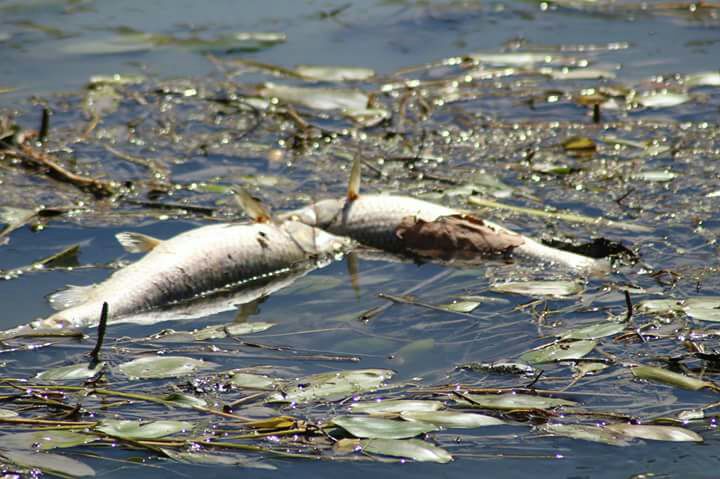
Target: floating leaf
x=703, y=308
x=588, y=367
x=379, y=428
x=332, y=386
x=223, y=330
x=500, y=368
x=395, y=406
x=579, y=143
x=669, y=377
x=517, y=59
x=253, y=381
x=333, y=74
x=656, y=433
x=660, y=306
x=216, y=459
x=414, y=449
x=140, y=430
x=595, y=331
x=65, y=258
x=74, y=371
x=163, y=367
x=7, y=413
x=452, y=419
x=461, y=306
x=510, y=401
x=657, y=176
x=184, y=400
x=662, y=99
x=116, y=79
x=318, y=98
x=559, y=351
x=49, y=463
x=586, y=433
x=44, y=440
x=541, y=288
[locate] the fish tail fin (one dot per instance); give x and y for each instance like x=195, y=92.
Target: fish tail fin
x=252, y=207
x=354, y=183
x=137, y=242
x=70, y=297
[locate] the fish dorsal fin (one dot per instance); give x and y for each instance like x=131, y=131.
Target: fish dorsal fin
x=354, y=183
x=72, y=296
x=137, y=242
x=252, y=207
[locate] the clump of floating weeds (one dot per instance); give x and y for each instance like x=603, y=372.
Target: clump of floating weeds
x=580, y=361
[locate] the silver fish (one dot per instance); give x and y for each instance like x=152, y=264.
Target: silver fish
x=191, y=265
x=374, y=220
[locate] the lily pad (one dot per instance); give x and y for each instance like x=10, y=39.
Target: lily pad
x=414, y=449
x=163, y=367
x=541, y=288
x=380, y=428
x=74, y=371
x=140, y=430
x=559, y=351
x=452, y=419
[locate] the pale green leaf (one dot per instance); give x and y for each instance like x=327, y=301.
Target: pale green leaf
x=163, y=367
x=595, y=330
x=452, y=419
x=541, y=288
x=142, y=430
x=656, y=433
x=586, y=433
x=414, y=449
x=74, y=371
x=395, y=406
x=332, y=386
x=559, y=351
x=661, y=375
x=45, y=439
x=49, y=463
x=380, y=428
x=510, y=401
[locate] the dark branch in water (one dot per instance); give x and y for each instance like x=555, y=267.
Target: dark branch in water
x=44, y=125
x=628, y=303
x=95, y=354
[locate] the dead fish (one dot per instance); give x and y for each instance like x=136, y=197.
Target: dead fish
x=409, y=225
x=191, y=265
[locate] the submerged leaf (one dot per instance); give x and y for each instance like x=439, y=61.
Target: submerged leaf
x=140, y=430
x=414, y=449
x=541, y=288
x=49, y=463
x=379, y=428
x=74, y=371
x=452, y=419
x=333, y=386
x=669, y=377
x=559, y=351
x=163, y=367
x=510, y=401
x=395, y=406
x=656, y=433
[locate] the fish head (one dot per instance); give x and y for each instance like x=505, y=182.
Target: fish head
x=314, y=240
x=320, y=214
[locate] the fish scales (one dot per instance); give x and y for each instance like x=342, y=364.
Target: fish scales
x=192, y=264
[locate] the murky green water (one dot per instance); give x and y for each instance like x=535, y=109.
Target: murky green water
x=454, y=129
